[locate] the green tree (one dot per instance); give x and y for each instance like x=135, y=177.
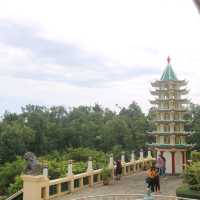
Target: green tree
x=15, y=139
x=8, y=172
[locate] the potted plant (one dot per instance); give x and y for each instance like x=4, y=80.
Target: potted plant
x=106, y=175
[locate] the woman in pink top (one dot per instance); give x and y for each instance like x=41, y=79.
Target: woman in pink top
x=160, y=164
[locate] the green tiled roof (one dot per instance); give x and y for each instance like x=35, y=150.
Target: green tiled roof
x=168, y=74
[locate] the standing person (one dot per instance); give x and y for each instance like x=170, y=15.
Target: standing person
x=160, y=164
x=118, y=169
x=157, y=181
x=150, y=180
x=164, y=165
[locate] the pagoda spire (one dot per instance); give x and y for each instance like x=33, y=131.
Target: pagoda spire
x=168, y=73
x=168, y=60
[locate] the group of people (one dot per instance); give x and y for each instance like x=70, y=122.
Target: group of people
x=154, y=173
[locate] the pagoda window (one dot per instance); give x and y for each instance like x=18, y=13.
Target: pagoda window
x=157, y=139
x=167, y=116
x=166, y=105
x=166, y=96
x=177, y=127
x=166, y=128
x=172, y=104
x=183, y=140
x=167, y=140
x=172, y=95
x=176, y=116
x=178, y=139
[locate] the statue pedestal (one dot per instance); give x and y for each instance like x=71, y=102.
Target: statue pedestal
x=35, y=187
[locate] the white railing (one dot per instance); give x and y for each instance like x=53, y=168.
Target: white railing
x=73, y=183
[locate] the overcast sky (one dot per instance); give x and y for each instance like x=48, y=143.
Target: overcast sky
x=81, y=52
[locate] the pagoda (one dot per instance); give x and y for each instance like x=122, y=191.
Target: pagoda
x=171, y=105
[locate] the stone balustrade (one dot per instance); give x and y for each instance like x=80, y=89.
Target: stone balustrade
x=49, y=189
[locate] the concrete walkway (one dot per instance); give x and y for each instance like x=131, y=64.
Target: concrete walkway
x=128, y=185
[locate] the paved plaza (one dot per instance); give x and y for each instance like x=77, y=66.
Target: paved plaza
x=128, y=185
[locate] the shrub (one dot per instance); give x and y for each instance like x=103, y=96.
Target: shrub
x=106, y=174
x=57, y=169
x=8, y=172
x=186, y=192
x=195, y=187
x=16, y=186
x=196, y=156
x=79, y=167
x=192, y=174
x=82, y=154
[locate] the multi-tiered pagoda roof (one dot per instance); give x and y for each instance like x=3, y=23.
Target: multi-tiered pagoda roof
x=170, y=109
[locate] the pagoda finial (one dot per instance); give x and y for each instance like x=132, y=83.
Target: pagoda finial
x=168, y=60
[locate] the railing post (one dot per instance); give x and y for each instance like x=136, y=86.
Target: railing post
x=58, y=188
x=111, y=161
x=142, y=158
x=90, y=171
x=123, y=157
x=70, y=168
x=81, y=182
x=111, y=164
x=99, y=178
x=35, y=187
x=141, y=154
x=149, y=154
x=123, y=163
x=89, y=168
x=132, y=156
x=133, y=161
x=70, y=173
x=45, y=170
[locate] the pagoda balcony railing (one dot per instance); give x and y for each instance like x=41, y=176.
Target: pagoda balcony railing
x=170, y=99
x=184, y=133
x=171, y=109
x=158, y=83
x=170, y=121
x=178, y=146
x=167, y=91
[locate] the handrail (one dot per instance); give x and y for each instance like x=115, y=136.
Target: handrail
x=15, y=195
x=75, y=182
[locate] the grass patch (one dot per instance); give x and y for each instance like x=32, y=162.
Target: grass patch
x=185, y=191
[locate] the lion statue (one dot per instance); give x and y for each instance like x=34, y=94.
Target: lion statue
x=33, y=167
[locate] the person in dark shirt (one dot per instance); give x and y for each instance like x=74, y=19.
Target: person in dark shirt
x=150, y=180
x=118, y=169
x=164, y=165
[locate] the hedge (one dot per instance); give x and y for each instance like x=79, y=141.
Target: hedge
x=195, y=156
x=186, y=192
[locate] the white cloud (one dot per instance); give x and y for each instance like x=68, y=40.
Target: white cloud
x=117, y=44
